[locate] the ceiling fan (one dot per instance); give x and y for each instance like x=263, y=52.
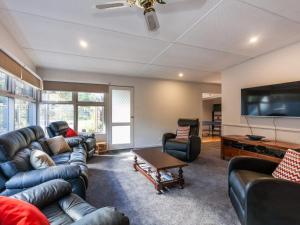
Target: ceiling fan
x=147, y=5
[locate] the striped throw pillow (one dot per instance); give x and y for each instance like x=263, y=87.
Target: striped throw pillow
x=183, y=132
x=289, y=167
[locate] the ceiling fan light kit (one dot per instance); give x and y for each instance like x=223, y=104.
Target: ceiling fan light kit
x=148, y=6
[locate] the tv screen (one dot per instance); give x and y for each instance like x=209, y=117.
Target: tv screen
x=272, y=100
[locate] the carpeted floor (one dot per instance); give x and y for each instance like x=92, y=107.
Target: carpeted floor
x=204, y=201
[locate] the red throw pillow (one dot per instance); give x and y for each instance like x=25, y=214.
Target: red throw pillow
x=71, y=133
x=289, y=167
x=183, y=132
x=17, y=212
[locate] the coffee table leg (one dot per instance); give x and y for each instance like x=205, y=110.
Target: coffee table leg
x=135, y=163
x=181, y=179
x=159, y=184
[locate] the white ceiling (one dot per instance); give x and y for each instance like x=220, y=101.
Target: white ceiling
x=198, y=38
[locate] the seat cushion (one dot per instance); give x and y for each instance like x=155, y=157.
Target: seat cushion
x=62, y=158
x=177, y=144
x=239, y=179
x=56, y=216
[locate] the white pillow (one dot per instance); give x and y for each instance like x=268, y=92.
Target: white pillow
x=40, y=160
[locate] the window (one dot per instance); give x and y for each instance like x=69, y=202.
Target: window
x=17, y=103
x=90, y=97
x=83, y=111
x=3, y=81
x=4, y=126
x=91, y=119
x=24, y=113
x=56, y=96
x=24, y=90
x=54, y=112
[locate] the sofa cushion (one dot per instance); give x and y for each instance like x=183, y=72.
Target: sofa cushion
x=289, y=167
x=38, y=131
x=239, y=179
x=28, y=134
x=19, y=163
x=40, y=160
x=58, y=145
x=61, y=158
x=71, y=133
x=10, y=144
x=13, y=211
x=177, y=144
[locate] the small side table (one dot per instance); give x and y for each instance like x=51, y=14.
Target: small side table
x=101, y=148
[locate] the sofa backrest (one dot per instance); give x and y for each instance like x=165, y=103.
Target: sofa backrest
x=58, y=128
x=15, y=149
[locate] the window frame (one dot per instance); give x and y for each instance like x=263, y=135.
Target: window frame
x=76, y=104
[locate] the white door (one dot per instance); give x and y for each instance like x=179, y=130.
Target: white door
x=120, y=117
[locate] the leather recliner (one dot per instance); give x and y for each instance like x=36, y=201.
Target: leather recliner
x=57, y=202
x=87, y=140
x=186, y=150
x=258, y=197
x=17, y=173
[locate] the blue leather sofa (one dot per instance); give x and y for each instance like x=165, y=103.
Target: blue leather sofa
x=57, y=202
x=17, y=174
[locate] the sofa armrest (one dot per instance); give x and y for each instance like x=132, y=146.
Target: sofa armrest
x=32, y=178
x=74, y=141
x=166, y=137
x=253, y=164
x=104, y=216
x=45, y=193
x=194, y=144
x=273, y=201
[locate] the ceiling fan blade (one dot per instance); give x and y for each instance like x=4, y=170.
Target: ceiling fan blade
x=111, y=5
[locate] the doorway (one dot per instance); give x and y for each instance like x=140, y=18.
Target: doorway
x=120, y=117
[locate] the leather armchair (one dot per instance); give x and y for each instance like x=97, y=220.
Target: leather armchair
x=186, y=150
x=87, y=140
x=258, y=197
x=57, y=202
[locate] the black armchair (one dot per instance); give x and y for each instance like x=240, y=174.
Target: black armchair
x=258, y=197
x=87, y=140
x=186, y=150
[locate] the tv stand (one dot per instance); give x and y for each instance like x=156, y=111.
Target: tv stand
x=237, y=145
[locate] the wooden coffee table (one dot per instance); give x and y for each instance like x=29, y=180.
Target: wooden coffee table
x=154, y=165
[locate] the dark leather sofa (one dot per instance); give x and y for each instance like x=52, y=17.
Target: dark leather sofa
x=17, y=174
x=258, y=197
x=61, y=127
x=186, y=150
x=57, y=202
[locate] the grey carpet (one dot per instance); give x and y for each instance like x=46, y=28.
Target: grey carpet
x=204, y=201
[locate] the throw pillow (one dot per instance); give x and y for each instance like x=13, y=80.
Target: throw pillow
x=289, y=167
x=183, y=132
x=58, y=145
x=17, y=212
x=40, y=160
x=71, y=133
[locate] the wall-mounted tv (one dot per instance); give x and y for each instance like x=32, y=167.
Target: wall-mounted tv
x=279, y=100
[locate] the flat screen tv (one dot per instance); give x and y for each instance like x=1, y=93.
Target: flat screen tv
x=279, y=100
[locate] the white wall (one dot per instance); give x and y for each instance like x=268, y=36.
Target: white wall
x=208, y=105
x=10, y=45
x=277, y=67
x=157, y=103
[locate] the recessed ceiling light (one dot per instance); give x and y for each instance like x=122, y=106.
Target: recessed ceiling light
x=253, y=40
x=180, y=75
x=83, y=44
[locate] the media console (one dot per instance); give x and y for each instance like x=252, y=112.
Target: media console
x=237, y=145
